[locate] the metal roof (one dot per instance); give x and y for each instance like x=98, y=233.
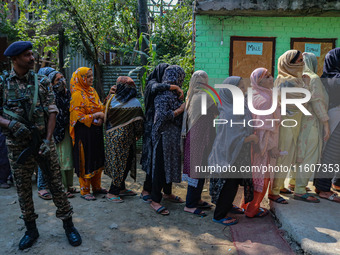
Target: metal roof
x=269, y=7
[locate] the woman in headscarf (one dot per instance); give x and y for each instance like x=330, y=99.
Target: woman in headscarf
x=290, y=68
x=331, y=154
x=314, y=129
x=266, y=152
x=153, y=86
x=86, y=119
x=166, y=138
x=231, y=148
x=124, y=126
x=61, y=134
x=199, y=134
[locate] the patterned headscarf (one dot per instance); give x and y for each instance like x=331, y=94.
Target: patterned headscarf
x=85, y=100
x=174, y=75
x=126, y=89
x=49, y=72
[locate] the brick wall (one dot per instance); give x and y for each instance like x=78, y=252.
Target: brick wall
x=213, y=57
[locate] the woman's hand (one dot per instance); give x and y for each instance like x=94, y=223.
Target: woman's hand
x=326, y=131
x=113, y=90
x=178, y=90
x=98, y=115
x=179, y=110
x=274, y=153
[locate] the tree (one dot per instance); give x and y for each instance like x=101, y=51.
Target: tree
x=96, y=26
x=32, y=25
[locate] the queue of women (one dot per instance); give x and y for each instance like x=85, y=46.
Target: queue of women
x=171, y=126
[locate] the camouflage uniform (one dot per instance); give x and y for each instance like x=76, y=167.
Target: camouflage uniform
x=13, y=88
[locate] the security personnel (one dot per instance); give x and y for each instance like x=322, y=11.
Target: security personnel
x=27, y=103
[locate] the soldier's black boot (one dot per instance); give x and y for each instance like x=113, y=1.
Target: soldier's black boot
x=31, y=235
x=72, y=233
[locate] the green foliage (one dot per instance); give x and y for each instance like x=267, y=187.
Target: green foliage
x=170, y=42
x=95, y=26
x=34, y=29
x=6, y=26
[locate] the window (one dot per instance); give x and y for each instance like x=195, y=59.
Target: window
x=320, y=47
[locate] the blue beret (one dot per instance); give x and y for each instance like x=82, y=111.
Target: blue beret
x=17, y=48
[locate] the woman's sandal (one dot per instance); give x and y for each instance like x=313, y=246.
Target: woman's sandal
x=331, y=198
x=161, y=210
x=233, y=222
x=261, y=213
x=197, y=212
x=204, y=205
x=237, y=210
x=73, y=190
x=128, y=193
x=305, y=197
x=114, y=199
x=279, y=200
x=146, y=198
x=45, y=196
x=88, y=197
x=69, y=194
x=174, y=199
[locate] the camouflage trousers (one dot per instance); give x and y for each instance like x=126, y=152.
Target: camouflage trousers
x=23, y=177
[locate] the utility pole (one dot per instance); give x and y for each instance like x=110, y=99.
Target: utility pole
x=143, y=25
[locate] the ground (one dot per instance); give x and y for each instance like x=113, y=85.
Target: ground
x=140, y=230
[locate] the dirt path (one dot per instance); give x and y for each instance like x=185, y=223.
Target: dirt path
x=140, y=230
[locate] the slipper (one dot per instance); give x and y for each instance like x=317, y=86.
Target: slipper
x=73, y=190
x=198, y=212
x=226, y=224
x=100, y=191
x=237, y=210
x=114, y=199
x=279, y=200
x=331, y=198
x=146, y=198
x=128, y=193
x=205, y=205
x=335, y=187
x=177, y=199
x=45, y=196
x=88, y=197
x=292, y=187
x=4, y=186
x=162, y=211
x=305, y=197
x=285, y=191
x=261, y=213
x=69, y=195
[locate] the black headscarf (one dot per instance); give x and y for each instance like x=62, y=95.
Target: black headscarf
x=126, y=89
x=331, y=76
x=155, y=77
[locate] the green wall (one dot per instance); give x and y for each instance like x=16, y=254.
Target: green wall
x=213, y=57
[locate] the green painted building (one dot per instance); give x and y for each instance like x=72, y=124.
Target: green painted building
x=235, y=37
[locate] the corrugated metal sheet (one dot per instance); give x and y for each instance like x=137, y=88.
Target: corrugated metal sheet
x=111, y=73
x=77, y=60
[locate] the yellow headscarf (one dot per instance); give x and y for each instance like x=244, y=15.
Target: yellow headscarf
x=85, y=100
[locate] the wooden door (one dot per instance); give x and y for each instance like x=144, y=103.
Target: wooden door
x=249, y=53
x=320, y=47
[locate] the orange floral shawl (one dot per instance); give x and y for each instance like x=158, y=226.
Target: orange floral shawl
x=85, y=100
